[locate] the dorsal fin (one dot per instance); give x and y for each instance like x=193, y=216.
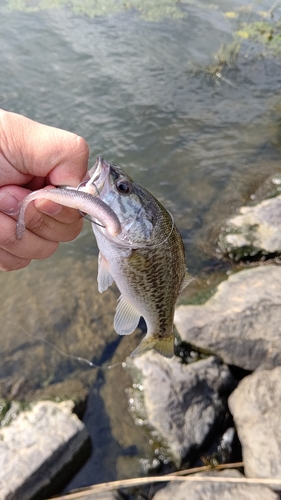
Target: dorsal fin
x=126, y=318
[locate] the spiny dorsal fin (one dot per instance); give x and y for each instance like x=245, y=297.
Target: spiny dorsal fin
x=126, y=318
x=104, y=277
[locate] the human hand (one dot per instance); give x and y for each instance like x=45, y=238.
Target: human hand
x=32, y=156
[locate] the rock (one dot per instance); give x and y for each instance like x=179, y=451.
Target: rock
x=256, y=408
x=179, y=403
x=218, y=491
x=255, y=230
x=241, y=322
x=69, y=389
x=36, y=445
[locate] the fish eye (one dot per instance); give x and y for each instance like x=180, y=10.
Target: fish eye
x=123, y=186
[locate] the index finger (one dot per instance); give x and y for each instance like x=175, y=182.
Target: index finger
x=32, y=149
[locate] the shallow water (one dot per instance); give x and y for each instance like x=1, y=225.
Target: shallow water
x=147, y=95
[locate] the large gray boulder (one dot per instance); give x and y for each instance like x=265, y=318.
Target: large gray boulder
x=179, y=403
x=36, y=445
x=215, y=491
x=256, y=407
x=254, y=230
x=241, y=322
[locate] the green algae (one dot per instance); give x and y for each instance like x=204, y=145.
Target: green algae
x=149, y=10
x=9, y=410
x=154, y=11
x=265, y=33
x=20, y=5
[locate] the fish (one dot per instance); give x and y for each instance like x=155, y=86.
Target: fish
x=146, y=259
x=87, y=202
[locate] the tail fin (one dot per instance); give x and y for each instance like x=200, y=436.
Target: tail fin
x=164, y=346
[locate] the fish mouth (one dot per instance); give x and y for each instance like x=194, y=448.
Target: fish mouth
x=98, y=175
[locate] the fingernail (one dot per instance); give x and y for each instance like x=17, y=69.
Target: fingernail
x=8, y=204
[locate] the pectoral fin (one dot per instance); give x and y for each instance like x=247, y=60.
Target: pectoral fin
x=126, y=318
x=163, y=346
x=104, y=277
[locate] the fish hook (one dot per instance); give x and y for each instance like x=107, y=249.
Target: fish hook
x=83, y=213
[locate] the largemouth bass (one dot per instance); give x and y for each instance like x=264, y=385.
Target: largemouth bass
x=86, y=202
x=146, y=259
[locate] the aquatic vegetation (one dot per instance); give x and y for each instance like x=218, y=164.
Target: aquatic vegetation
x=267, y=34
x=9, y=410
x=149, y=10
x=90, y=8
x=259, y=35
x=4, y=407
x=261, y=27
x=226, y=55
x=20, y=5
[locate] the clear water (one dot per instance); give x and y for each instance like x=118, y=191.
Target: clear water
x=202, y=139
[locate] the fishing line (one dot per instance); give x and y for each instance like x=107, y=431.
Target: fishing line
x=63, y=353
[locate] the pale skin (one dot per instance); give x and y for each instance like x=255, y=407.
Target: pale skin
x=33, y=156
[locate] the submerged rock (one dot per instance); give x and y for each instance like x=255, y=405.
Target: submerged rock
x=256, y=408
x=179, y=403
x=60, y=316
x=132, y=441
x=36, y=445
x=241, y=322
x=256, y=230
x=217, y=491
x=69, y=389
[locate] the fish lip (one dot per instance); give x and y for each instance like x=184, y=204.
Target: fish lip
x=98, y=175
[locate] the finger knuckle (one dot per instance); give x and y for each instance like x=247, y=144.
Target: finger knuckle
x=49, y=249
x=8, y=239
x=14, y=264
x=81, y=145
x=73, y=231
x=39, y=223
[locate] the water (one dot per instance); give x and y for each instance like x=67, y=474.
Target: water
x=149, y=96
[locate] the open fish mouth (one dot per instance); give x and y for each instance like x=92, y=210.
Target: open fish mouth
x=98, y=175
